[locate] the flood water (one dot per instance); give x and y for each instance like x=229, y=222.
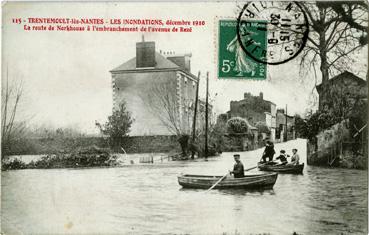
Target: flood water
x=146, y=199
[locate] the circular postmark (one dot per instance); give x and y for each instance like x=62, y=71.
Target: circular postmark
x=272, y=32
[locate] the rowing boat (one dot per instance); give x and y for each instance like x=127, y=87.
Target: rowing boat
x=257, y=181
x=292, y=169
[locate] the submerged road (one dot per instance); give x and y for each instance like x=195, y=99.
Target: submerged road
x=146, y=199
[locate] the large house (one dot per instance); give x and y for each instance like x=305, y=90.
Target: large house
x=159, y=91
x=342, y=92
x=256, y=111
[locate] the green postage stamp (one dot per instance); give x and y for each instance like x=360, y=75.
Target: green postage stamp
x=233, y=62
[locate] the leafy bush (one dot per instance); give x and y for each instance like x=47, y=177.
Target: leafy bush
x=237, y=125
x=262, y=128
x=87, y=157
x=12, y=164
x=314, y=123
x=323, y=119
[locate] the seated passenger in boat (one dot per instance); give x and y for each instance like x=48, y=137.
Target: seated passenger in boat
x=295, y=159
x=238, y=170
x=282, y=157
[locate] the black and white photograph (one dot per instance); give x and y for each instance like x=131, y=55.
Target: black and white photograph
x=169, y=117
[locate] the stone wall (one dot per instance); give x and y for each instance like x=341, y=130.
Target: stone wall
x=235, y=143
x=151, y=144
x=132, y=144
x=336, y=147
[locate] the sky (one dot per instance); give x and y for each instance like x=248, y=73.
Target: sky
x=65, y=75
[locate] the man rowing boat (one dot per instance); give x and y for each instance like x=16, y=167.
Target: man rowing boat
x=238, y=170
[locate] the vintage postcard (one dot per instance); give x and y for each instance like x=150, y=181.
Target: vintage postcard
x=227, y=117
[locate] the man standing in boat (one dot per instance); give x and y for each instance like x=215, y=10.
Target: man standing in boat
x=268, y=152
x=238, y=170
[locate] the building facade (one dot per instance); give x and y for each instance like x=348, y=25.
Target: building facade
x=159, y=91
x=256, y=111
x=283, y=126
x=342, y=93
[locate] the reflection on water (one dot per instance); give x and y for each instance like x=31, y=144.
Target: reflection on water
x=148, y=200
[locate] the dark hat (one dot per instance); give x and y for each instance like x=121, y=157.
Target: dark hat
x=283, y=151
x=236, y=155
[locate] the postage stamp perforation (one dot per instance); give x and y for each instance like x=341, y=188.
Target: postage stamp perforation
x=231, y=61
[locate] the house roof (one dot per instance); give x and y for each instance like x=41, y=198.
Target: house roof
x=345, y=75
x=162, y=64
x=281, y=112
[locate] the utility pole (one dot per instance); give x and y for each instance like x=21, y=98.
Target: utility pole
x=194, y=115
x=206, y=116
x=286, y=125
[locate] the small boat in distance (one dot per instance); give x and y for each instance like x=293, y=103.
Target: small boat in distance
x=258, y=181
x=291, y=169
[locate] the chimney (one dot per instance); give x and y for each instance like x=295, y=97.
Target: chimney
x=145, y=54
x=188, y=61
x=183, y=61
x=246, y=95
x=280, y=111
x=261, y=95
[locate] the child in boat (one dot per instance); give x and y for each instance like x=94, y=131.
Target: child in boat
x=238, y=170
x=282, y=157
x=295, y=158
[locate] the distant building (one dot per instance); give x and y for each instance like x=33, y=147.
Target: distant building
x=282, y=128
x=132, y=80
x=342, y=92
x=256, y=111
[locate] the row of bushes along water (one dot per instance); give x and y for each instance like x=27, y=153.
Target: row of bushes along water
x=86, y=157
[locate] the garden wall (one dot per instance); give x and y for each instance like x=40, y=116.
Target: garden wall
x=336, y=147
x=132, y=144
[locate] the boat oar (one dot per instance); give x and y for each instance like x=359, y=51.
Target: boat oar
x=255, y=167
x=251, y=168
x=216, y=183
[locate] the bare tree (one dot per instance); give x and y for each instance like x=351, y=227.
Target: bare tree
x=163, y=102
x=175, y=114
x=10, y=99
x=338, y=29
x=343, y=103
